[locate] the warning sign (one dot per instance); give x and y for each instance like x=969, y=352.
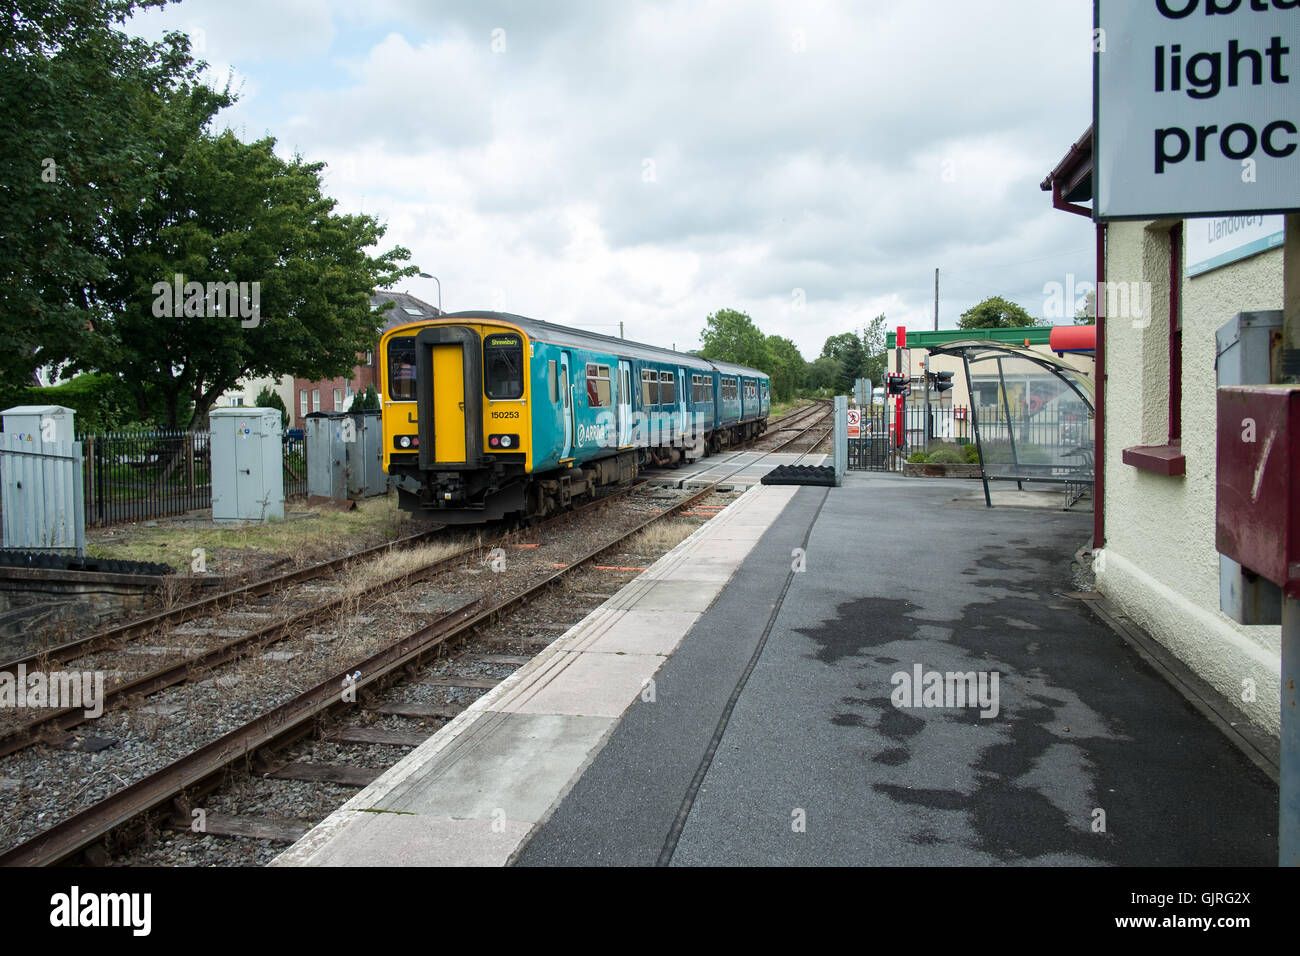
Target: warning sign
x=855, y=423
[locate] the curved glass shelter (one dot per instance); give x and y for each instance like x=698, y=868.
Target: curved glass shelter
x=1034, y=416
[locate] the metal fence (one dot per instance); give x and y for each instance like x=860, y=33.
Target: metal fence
x=1052, y=441
x=138, y=476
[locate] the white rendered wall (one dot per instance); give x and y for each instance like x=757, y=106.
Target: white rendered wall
x=1159, y=565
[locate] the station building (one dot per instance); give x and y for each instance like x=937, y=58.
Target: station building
x=1157, y=361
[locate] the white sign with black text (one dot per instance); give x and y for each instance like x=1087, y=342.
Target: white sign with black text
x=1196, y=107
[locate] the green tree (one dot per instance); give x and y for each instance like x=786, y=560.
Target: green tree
x=731, y=336
x=225, y=213
x=80, y=98
x=270, y=398
x=825, y=374
x=787, y=367
x=873, y=344
x=848, y=350
x=365, y=401
x=995, y=312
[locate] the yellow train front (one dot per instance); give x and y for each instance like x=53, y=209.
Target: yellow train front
x=488, y=416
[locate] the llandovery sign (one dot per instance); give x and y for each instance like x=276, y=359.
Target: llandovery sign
x=1196, y=107
x=1216, y=242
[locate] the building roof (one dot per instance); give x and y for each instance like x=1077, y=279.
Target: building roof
x=407, y=308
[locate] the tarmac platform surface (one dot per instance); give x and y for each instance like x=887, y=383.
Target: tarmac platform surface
x=776, y=730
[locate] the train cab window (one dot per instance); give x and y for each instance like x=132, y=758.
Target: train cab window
x=598, y=391
x=649, y=387
x=503, y=366
x=667, y=391
x=553, y=379
x=401, y=368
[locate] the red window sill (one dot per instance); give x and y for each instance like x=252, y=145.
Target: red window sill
x=1158, y=459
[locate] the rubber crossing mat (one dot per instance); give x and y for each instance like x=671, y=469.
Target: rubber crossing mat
x=801, y=475
x=58, y=562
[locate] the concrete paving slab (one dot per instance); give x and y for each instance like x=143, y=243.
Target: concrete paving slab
x=639, y=632
x=389, y=839
x=586, y=684
x=669, y=595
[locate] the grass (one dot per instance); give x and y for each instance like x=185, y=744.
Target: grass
x=662, y=536
x=784, y=408
x=301, y=536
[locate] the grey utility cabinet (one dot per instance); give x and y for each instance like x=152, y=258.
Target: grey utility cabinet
x=247, y=464
x=344, y=455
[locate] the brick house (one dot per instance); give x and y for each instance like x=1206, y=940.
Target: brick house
x=336, y=394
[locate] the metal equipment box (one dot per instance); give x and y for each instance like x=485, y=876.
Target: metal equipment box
x=247, y=464
x=42, y=507
x=1257, y=513
x=327, y=455
x=1244, y=348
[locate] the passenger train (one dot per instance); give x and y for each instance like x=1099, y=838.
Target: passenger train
x=488, y=415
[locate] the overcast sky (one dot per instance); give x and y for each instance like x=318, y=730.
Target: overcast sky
x=651, y=162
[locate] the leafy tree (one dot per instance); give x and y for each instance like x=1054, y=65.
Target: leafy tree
x=787, y=367
x=365, y=401
x=229, y=212
x=270, y=398
x=1087, y=314
x=80, y=99
x=825, y=373
x=731, y=336
x=995, y=313
x=849, y=351
x=873, y=344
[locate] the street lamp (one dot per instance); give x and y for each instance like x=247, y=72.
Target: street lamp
x=425, y=275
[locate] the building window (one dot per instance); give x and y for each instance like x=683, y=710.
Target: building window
x=302, y=402
x=315, y=399
x=370, y=357
x=338, y=399
x=236, y=401
x=598, y=388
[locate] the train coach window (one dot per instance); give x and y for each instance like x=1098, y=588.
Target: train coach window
x=401, y=369
x=503, y=366
x=667, y=390
x=598, y=393
x=700, y=389
x=649, y=387
x=553, y=379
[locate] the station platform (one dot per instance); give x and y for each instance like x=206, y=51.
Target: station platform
x=743, y=469
x=746, y=701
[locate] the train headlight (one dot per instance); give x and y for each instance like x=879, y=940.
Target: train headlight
x=404, y=441
x=503, y=441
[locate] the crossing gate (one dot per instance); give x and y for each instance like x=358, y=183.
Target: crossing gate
x=41, y=503
x=870, y=451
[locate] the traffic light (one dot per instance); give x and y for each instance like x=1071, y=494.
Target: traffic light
x=896, y=383
x=940, y=381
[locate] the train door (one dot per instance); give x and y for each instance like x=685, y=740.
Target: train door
x=683, y=415
x=624, y=404
x=566, y=405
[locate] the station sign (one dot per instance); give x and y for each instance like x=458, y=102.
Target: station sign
x=1196, y=110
